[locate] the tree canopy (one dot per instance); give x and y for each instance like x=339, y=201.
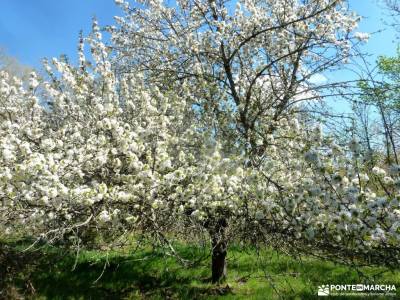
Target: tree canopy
x=198, y=118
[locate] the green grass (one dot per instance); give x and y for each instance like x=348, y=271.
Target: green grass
x=149, y=274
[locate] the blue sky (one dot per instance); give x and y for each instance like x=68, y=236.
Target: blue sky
x=376, y=18
x=33, y=29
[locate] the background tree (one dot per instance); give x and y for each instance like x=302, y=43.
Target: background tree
x=13, y=66
x=380, y=94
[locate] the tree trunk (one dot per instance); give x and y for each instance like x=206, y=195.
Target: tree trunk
x=217, y=229
x=218, y=264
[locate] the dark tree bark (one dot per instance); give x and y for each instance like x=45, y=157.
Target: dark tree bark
x=216, y=229
x=218, y=261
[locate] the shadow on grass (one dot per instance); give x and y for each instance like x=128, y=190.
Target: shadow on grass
x=56, y=274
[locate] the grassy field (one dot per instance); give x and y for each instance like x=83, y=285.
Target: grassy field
x=146, y=274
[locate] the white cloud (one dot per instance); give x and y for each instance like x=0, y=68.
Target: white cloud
x=318, y=79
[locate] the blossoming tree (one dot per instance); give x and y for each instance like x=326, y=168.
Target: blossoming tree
x=250, y=65
x=208, y=133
